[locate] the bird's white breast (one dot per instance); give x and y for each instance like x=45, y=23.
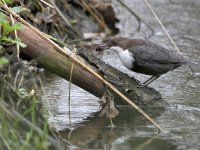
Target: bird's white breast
x=125, y=56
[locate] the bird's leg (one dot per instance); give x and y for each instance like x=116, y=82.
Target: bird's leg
x=150, y=80
x=111, y=123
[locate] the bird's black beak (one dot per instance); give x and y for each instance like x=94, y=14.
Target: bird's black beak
x=102, y=47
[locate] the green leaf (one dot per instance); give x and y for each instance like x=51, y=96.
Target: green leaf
x=73, y=22
x=7, y=1
x=17, y=26
x=17, y=41
x=23, y=92
x=7, y=28
x=18, y=9
x=1, y=50
x=2, y=17
x=3, y=61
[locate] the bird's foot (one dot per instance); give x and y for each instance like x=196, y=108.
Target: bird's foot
x=141, y=85
x=150, y=80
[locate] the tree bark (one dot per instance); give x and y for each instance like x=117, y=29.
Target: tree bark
x=49, y=58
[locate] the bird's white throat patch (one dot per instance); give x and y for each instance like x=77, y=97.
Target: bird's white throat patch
x=125, y=56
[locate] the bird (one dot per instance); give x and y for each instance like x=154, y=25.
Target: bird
x=143, y=56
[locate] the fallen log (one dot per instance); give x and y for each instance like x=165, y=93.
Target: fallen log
x=49, y=57
x=131, y=87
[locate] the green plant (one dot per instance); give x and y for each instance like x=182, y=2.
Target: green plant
x=19, y=124
x=6, y=1
x=3, y=61
x=6, y=28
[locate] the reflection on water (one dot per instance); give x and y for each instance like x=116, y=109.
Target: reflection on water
x=130, y=132
x=85, y=129
x=56, y=101
x=181, y=120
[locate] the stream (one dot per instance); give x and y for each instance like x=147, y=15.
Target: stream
x=80, y=126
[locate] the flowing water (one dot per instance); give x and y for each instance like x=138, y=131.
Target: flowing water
x=80, y=126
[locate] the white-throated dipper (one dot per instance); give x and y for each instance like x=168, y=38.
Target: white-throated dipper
x=144, y=57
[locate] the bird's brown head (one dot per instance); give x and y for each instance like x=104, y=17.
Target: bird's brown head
x=113, y=42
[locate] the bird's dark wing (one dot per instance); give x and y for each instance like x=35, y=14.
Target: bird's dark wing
x=158, y=54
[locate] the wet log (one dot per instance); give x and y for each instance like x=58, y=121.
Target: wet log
x=131, y=87
x=49, y=57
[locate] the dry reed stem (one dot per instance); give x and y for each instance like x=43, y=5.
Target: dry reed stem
x=64, y=18
x=163, y=27
x=70, y=83
x=49, y=5
x=136, y=15
x=94, y=13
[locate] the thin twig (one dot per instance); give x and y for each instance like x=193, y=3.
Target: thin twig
x=163, y=26
x=15, y=32
x=45, y=96
x=64, y=18
x=16, y=77
x=7, y=145
x=21, y=80
x=80, y=63
x=136, y=15
x=147, y=142
x=70, y=83
x=46, y=3
x=99, y=15
x=98, y=18
x=70, y=80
